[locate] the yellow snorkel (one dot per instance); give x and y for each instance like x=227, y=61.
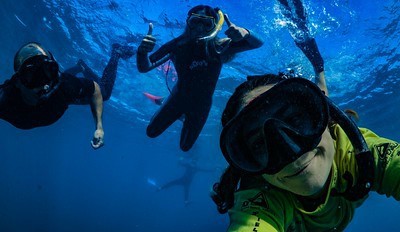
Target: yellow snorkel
x=217, y=28
x=164, y=50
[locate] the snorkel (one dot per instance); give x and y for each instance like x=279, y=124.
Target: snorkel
x=217, y=28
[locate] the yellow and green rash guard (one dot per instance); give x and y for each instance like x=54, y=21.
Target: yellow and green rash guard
x=267, y=208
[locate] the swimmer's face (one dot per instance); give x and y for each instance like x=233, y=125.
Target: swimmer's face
x=308, y=174
x=200, y=24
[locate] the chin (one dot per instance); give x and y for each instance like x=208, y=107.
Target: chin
x=311, y=191
x=312, y=186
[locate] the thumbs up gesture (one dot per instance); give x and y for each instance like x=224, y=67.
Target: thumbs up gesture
x=148, y=42
x=234, y=32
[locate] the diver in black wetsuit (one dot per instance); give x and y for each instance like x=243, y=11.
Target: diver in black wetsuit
x=107, y=81
x=198, y=56
x=191, y=169
x=38, y=94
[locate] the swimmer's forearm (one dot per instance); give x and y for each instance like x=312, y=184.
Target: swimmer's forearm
x=143, y=62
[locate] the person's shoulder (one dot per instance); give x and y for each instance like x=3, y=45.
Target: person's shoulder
x=66, y=77
x=271, y=202
x=71, y=80
x=7, y=88
x=379, y=145
x=342, y=140
x=373, y=139
x=76, y=87
x=9, y=94
x=254, y=185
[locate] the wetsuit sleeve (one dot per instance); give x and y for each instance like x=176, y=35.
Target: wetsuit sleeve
x=387, y=164
x=251, y=41
x=77, y=90
x=259, y=210
x=146, y=63
x=2, y=101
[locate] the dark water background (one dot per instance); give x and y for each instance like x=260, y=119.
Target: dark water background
x=52, y=180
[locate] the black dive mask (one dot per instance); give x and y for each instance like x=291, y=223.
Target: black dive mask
x=207, y=21
x=39, y=72
x=276, y=128
x=285, y=122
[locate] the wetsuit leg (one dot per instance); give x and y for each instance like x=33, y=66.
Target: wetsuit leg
x=193, y=124
x=284, y=3
x=301, y=17
x=287, y=12
x=298, y=8
x=297, y=15
x=168, y=113
x=172, y=183
x=186, y=189
x=109, y=75
x=82, y=67
x=74, y=70
x=110, y=72
x=88, y=72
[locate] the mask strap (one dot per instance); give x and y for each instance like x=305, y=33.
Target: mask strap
x=364, y=157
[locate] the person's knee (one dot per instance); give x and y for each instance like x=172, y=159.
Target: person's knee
x=185, y=146
x=106, y=96
x=105, y=92
x=151, y=132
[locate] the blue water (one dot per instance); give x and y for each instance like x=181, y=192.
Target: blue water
x=52, y=180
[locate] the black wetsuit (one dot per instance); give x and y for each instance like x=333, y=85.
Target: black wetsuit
x=106, y=82
x=14, y=110
x=198, y=69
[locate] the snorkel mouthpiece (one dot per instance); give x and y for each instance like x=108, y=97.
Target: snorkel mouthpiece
x=285, y=144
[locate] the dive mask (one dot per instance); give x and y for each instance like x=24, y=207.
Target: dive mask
x=276, y=128
x=195, y=19
x=39, y=73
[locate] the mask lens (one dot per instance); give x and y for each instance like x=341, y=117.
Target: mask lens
x=195, y=19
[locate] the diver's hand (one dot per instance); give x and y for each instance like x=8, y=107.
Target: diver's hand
x=98, y=139
x=148, y=42
x=234, y=32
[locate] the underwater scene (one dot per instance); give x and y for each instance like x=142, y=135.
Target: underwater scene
x=144, y=180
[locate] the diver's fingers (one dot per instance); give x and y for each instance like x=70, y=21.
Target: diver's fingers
x=228, y=22
x=149, y=39
x=97, y=143
x=150, y=32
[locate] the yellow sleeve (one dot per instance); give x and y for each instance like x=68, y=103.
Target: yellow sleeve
x=244, y=222
x=387, y=164
x=259, y=210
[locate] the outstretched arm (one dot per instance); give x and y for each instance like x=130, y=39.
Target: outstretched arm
x=320, y=80
x=96, y=105
x=142, y=58
x=146, y=46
